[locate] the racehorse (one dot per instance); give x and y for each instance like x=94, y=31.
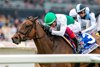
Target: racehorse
x=46, y=43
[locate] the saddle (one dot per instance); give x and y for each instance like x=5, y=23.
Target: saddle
x=71, y=43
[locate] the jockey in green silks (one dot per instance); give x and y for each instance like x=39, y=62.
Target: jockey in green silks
x=61, y=24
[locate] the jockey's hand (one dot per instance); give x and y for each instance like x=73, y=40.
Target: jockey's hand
x=79, y=32
x=50, y=30
x=47, y=28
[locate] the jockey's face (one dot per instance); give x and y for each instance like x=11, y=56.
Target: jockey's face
x=53, y=24
x=82, y=13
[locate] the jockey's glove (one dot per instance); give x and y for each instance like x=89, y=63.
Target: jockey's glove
x=47, y=28
x=50, y=31
x=79, y=32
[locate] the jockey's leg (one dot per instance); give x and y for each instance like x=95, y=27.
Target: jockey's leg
x=72, y=35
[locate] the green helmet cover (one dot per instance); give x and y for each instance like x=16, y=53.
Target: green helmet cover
x=49, y=18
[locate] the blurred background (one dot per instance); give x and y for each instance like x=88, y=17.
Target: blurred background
x=13, y=12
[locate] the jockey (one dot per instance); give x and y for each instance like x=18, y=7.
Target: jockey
x=83, y=34
x=86, y=18
x=57, y=24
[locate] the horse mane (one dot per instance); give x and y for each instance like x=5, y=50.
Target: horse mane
x=42, y=40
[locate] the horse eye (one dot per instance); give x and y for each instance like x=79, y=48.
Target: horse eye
x=27, y=26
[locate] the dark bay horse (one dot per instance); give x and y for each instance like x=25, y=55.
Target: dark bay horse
x=46, y=44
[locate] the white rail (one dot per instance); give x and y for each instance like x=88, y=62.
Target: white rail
x=49, y=58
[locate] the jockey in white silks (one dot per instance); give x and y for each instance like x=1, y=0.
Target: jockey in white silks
x=86, y=18
x=85, y=31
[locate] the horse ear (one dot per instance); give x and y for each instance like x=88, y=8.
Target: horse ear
x=35, y=18
x=29, y=17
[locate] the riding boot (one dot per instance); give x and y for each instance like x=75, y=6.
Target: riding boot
x=76, y=43
x=72, y=35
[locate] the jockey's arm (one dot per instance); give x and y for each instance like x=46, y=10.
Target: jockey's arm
x=92, y=23
x=63, y=26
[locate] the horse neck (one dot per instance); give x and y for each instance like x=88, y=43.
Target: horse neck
x=43, y=43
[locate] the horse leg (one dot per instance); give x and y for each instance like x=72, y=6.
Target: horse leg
x=61, y=65
x=97, y=65
x=77, y=65
x=91, y=65
x=37, y=65
x=57, y=65
x=84, y=64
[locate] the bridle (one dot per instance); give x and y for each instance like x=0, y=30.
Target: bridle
x=27, y=32
x=30, y=29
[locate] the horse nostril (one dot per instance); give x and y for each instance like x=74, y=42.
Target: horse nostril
x=14, y=40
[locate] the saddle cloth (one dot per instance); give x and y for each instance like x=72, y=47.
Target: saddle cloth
x=89, y=43
x=89, y=49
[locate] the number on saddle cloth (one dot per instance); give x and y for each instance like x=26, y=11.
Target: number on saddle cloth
x=87, y=39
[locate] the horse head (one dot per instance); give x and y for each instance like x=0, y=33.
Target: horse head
x=26, y=30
